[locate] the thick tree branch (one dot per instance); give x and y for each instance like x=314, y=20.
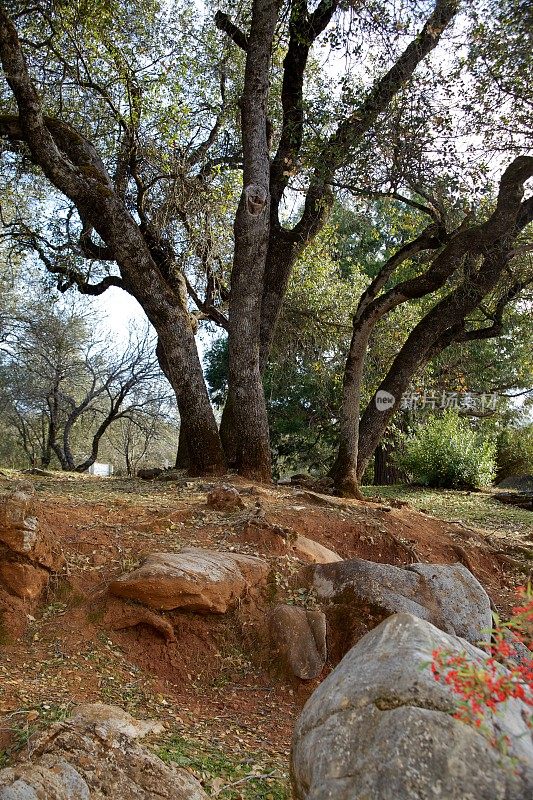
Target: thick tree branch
x=431, y=238
x=92, y=250
x=71, y=146
x=336, y=151
x=304, y=29
x=509, y=217
x=223, y=23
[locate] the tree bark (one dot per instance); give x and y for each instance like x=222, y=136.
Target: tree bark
x=344, y=471
x=251, y=242
x=228, y=434
x=182, y=454
x=386, y=473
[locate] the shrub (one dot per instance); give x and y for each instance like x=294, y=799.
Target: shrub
x=445, y=452
x=515, y=452
x=484, y=687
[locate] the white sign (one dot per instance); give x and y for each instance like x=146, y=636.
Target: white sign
x=101, y=470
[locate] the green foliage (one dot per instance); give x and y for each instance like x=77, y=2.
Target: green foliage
x=515, y=452
x=303, y=381
x=445, y=452
x=230, y=778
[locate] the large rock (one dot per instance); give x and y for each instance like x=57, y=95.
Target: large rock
x=379, y=727
x=28, y=556
x=447, y=595
x=194, y=579
x=23, y=535
x=94, y=756
x=298, y=637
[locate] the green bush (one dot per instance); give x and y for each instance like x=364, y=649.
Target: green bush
x=445, y=452
x=515, y=452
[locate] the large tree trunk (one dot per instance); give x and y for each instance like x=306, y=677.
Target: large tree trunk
x=386, y=473
x=251, y=244
x=229, y=435
x=182, y=454
x=344, y=471
x=186, y=377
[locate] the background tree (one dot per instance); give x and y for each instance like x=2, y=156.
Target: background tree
x=145, y=435
x=116, y=192
x=63, y=387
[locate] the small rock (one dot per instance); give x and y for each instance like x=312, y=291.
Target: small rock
x=24, y=580
x=313, y=551
x=225, y=498
x=110, y=721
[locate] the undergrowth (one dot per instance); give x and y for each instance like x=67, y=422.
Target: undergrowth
x=23, y=725
x=224, y=777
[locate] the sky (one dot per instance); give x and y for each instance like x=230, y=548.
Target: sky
x=121, y=311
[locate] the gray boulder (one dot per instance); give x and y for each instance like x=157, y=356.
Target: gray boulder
x=94, y=756
x=379, y=727
x=447, y=595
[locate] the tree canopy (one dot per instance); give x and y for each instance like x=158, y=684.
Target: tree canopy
x=195, y=157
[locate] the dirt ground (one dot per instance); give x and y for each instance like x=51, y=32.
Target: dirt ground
x=216, y=679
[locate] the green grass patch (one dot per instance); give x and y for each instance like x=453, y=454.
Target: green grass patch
x=26, y=723
x=229, y=778
x=478, y=509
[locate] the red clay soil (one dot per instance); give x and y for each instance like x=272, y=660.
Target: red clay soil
x=196, y=670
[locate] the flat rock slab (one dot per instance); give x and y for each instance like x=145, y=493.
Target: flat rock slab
x=193, y=579
x=298, y=637
x=447, y=595
x=312, y=551
x=94, y=756
x=379, y=727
